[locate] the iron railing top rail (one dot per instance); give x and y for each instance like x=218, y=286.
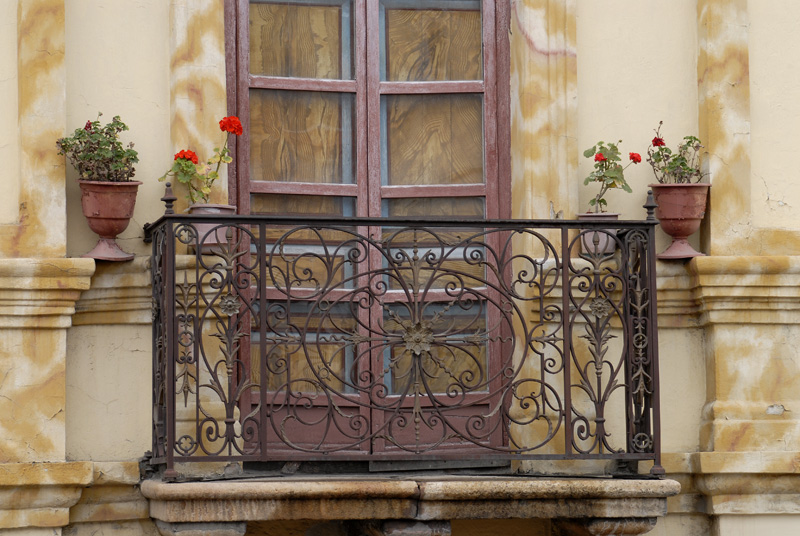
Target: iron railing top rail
x=435, y=222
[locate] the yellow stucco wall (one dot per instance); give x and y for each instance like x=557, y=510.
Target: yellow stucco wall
x=75, y=345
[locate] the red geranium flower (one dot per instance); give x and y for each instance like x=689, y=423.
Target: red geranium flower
x=635, y=157
x=658, y=142
x=88, y=126
x=599, y=157
x=188, y=155
x=231, y=124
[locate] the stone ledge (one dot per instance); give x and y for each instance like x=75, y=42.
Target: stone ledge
x=423, y=498
x=729, y=290
x=41, y=293
x=55, y=494
x=731, y=483
x=120, y=293
x=40, y=494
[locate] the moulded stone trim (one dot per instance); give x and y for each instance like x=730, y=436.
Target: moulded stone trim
x=41, y=293
x=729, y=290
x=120, y=293
x=424, y=499
x=40, y=494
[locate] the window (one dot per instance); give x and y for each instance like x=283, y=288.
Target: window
x=371, y=108
x=376, y=108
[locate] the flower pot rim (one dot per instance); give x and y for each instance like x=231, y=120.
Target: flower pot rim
x=115, y=183
x=684, y=185
x=214, y=205
x=598, y=215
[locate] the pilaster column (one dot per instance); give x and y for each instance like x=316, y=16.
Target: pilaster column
x=36, y=225
x=544, y=107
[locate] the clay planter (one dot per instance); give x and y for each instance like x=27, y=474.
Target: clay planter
x=681, y=208
x=108, y=207
x=210, y=240
x=605, y=242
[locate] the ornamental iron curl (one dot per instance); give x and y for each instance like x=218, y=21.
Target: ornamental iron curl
x=352, y=339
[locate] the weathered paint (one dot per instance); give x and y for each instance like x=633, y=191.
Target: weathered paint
x=39, y=229
x=197, y=83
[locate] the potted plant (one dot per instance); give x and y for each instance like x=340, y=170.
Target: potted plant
x=199, y=179
x=608, y=173
x=679, y=194
x=105, y=169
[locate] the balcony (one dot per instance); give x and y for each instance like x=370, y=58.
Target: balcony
x=403, y=343
x=421, y=371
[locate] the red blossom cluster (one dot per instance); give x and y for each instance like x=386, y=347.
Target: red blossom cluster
x=88, y=126
x=231, y=124
x=635, y=157
x=658, y=142
x=188, y=155
x=599, y=157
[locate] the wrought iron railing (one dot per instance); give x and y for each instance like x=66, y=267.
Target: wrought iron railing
x=356, y=339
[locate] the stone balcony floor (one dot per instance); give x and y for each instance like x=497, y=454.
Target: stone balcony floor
x=578, y=505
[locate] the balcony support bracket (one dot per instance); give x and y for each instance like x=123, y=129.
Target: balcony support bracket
x=603, y=526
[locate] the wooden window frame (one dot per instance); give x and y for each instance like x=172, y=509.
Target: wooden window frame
x=368, y=89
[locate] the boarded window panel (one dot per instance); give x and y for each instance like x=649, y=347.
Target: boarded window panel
x=442, y=260
x=296, y=40
x=301, y=205
x=433, y=139
x=433, y=44
x=435, y=207
x=302, y=136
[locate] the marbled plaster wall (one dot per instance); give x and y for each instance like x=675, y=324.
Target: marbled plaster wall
x=198, y=97
x=636, y=67
x=117, y=58
x=38, y=298
x=9, y=134
x=734, y=36
x=543, y=107
x=35, y=223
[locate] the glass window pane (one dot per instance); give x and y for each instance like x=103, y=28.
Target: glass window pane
x=441, y=41
x=432, y=139
x=306, y=39
x=301, y=136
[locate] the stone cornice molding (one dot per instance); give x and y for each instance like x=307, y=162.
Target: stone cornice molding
x=725, y=483
x=41, y=293
x=56, y=494
x=120, y=293
x=40, y=494
x=729, y=290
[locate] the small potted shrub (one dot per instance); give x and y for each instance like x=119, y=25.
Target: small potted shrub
x=105, y=172
x=199, y=179
x=680, y=195
x=609, y=173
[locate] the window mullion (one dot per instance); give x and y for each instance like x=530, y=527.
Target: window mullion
x=373, y=105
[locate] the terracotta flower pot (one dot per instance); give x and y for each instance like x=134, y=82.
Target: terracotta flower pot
x=108, y=207
x=597, y=242
x=681, y=208
x=209, y=238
